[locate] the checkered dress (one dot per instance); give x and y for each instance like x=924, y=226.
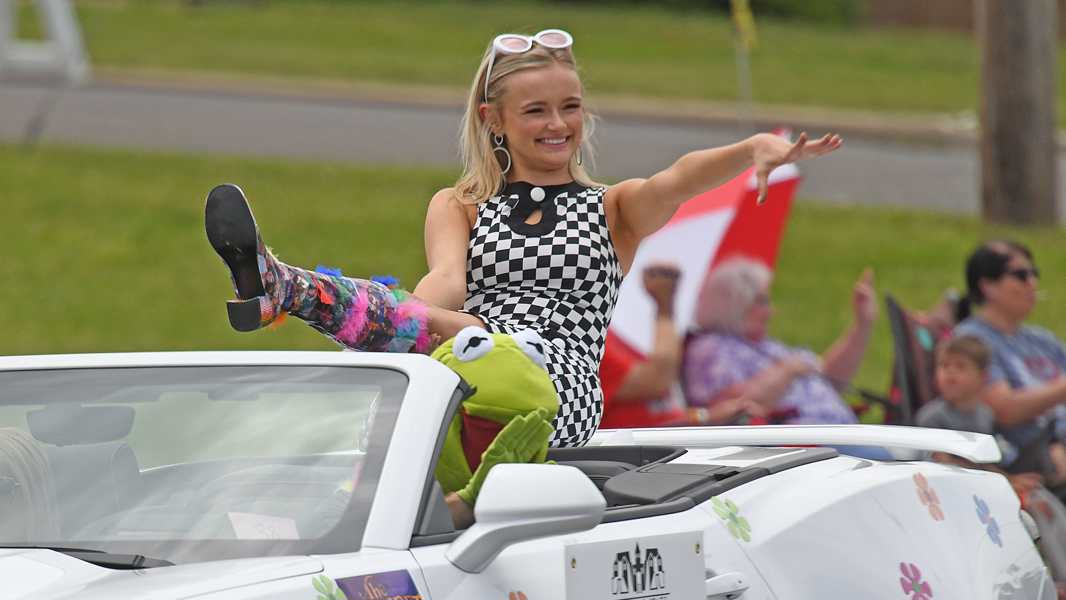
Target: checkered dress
x=559, y=277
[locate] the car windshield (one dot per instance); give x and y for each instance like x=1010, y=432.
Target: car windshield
x=193, y=463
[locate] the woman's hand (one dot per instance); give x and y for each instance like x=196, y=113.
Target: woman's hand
x=798, y=366
x=771, y=151
x=732, y=409
x=864, y=299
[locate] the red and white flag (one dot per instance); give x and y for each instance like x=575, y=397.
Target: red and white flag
x=706, y=230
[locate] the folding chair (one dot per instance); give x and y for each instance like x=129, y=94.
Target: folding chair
x=914, y=362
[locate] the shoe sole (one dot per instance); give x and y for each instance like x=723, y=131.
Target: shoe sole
x=231, y=230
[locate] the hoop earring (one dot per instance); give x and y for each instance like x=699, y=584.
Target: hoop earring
x=498, y=140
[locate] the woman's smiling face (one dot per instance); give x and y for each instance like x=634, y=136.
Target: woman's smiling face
x=541, y=115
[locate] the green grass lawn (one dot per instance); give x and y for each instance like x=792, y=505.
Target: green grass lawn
x=105, y=251
x=626, y=50
x=108, y=252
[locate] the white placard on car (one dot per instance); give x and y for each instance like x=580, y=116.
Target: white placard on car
x=658, y=567
x=251, y=526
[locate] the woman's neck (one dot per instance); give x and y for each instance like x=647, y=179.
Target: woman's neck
x=999, y=320
x=538, y=177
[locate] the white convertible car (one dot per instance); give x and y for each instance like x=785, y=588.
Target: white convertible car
x=310, y=476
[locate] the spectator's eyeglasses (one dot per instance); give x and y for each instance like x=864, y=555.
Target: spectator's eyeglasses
x=514, y=43
x=1024, y=275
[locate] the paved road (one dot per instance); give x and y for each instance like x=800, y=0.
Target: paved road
x=867, y=171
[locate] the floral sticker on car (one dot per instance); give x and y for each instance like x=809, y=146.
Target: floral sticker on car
x=912, y=583
x=729, y=513
x=927, y=496
x=984, y=514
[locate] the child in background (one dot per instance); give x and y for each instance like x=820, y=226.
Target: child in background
x=961, y=376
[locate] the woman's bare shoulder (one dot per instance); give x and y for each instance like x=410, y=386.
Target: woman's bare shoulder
x=622, y=188
x=446, y=202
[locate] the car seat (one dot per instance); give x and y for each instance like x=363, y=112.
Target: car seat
x=93, y=481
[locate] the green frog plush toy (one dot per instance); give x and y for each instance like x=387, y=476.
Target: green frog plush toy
x=508, y=418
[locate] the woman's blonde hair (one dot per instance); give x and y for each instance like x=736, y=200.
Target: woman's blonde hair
x=482, y=168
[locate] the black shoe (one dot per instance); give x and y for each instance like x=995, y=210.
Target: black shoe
x=233, y=234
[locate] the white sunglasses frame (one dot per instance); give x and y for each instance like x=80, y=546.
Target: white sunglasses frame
x=498, y=47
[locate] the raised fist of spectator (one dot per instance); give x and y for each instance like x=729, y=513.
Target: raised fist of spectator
x=660, y=281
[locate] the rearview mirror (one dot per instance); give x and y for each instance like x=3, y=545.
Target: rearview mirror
x=66, y=425
x=521, y=502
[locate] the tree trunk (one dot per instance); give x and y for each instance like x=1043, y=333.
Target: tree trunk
x=1018, y=101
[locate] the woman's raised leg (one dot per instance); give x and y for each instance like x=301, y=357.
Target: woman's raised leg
x=357, y=313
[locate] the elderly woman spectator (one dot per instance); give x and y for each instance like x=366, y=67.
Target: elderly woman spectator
x=731, y=354
x=1027, y=372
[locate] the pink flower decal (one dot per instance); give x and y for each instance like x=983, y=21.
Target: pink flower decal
x=912, y=582
x=928, y=497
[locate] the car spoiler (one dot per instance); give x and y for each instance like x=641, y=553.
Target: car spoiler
x=975, y=447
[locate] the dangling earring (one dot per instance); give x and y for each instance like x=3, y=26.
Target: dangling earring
x=579, y=155
x=498, y=140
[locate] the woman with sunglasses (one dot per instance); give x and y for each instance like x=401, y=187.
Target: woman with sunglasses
x=524, y=240
x=1027, y=371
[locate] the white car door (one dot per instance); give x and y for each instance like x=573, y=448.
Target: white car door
x=650, y=558
x=661, y=539
x=370, y=574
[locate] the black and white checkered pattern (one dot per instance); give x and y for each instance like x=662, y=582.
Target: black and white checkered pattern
x=560, y=278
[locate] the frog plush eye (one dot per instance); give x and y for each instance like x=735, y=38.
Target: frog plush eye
x=531, y=344
x=472, y=343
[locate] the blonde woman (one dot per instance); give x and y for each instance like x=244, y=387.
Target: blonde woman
x=524, y=240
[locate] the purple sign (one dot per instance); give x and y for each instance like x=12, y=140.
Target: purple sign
x=392, y=585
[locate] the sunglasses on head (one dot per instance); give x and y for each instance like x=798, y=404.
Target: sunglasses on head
x=514, y=43
x=1024, y=275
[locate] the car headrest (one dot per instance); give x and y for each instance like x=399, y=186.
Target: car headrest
x=92, y=480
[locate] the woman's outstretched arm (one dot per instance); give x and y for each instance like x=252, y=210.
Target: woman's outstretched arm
x=644, y=205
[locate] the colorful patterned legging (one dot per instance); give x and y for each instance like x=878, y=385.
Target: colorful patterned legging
x=357, y=313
